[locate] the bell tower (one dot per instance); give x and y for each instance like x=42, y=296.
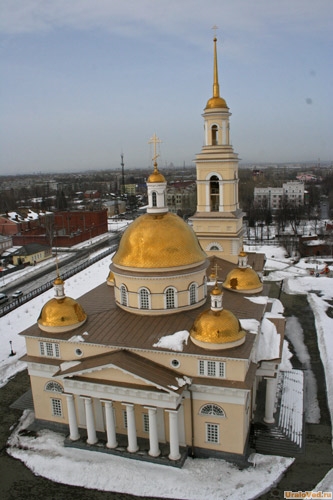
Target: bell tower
x=218, y=221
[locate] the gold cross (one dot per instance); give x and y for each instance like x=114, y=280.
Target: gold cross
x=215, y=28
x=213, y=275
x=155, y=140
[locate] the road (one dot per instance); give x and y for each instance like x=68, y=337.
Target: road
x=40, y=275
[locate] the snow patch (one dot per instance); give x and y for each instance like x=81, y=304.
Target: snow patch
x=173, y=342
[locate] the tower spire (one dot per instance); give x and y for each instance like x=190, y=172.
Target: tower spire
x=216, y=101
x=216, y=87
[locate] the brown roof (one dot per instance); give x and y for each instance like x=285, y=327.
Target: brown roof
x=162, y=377
x=111, y=326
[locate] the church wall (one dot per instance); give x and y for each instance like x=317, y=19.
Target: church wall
x=231, y=428
x=189, y=365
x=42, y=399
x=67, y=349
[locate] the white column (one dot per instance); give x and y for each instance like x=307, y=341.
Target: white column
x=131, y=429
x=174, y=436
x=73, y=428
x=154, y=450
x=91, y=431
x=270, y=400
x=110, y=424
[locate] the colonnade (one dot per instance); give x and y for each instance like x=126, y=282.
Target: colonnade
x=110, y=425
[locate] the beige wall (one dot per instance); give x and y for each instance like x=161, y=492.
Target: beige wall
x=235, y=369
x=157, y=287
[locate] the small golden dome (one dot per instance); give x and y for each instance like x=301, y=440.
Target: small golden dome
x=156, y=176
x=216, y=102
x=242, y=253
x=156, y=241
x=61, y=315
x=110, y=279
x=58, y=281
x=217, y=330
x=243, y=279
x=216, y=291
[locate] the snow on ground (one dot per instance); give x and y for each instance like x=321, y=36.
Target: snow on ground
x=214, y=479
x=26, y=315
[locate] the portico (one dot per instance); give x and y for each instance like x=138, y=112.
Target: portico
x=111, y=440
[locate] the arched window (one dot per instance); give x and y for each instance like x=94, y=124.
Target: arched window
x=144, y=298
x=214, y=135
x=53, y=387
x=170, y=298
x=123, y=295
x=154, y=198
x=211, y=409
x=193, y=293
x=214, y=193
x=214, y=246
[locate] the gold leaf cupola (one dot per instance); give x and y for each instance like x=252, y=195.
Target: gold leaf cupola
x=243, y=279
x=61, y=314
x=217, y=328
x=216, y=101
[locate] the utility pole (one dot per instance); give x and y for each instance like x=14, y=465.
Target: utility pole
x=122, y=175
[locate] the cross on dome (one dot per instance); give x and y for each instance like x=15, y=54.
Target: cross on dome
x=155, y=140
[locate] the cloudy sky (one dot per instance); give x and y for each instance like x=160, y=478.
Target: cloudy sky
x=84, y=80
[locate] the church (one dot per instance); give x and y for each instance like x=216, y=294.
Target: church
x=164, y=359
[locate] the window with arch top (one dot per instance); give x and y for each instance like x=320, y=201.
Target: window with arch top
x=193, y=290
x=144, y=298
x=53, y=386
x=212, y=409
x=214, y=187
x=214, y=130
x=154, y=199
x=123, y=295
x=170, y=298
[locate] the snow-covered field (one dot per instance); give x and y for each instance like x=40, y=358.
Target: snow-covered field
x=214, y=479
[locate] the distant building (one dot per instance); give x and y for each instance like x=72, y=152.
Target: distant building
x=181, y=198
x=62, y=229
x=5, y=242
x=115, y=207
x=31, y=254
x=92, y=194
x=273, y=197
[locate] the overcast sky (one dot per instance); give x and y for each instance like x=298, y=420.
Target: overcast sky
x=84, y=80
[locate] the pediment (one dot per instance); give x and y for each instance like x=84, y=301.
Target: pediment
x=125, y=367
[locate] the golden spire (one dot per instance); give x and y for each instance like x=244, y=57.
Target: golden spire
x=216, y=101
x=216, y=87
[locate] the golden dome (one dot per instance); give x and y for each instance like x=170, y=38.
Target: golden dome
x=216, y=291
x=243, y=279
x=156, y=176
x=216, y=102
x=58, y=281
x=110, y=279
x=61, y=315
x=156, y=241
x=217, y=330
